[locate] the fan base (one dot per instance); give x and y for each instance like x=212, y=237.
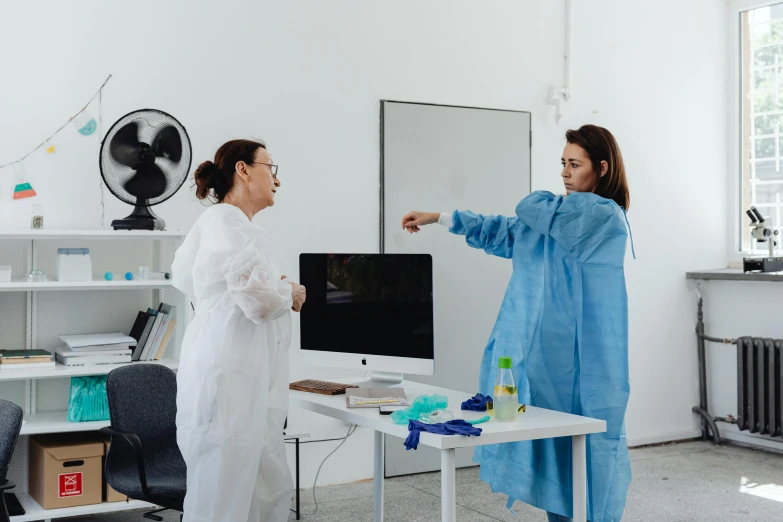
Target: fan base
x=142, y=218
x=138, y=224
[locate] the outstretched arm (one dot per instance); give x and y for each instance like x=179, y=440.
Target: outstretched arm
x=493, y=234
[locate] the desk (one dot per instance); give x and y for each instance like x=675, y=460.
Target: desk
x=537, y=423
x=289, y=435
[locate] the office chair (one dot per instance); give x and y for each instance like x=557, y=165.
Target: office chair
x=10, y=427
x=144, y=461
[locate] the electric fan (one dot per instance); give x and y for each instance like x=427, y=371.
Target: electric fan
x=145, y=158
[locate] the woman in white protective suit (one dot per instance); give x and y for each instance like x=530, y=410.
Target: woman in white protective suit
x=232, y=383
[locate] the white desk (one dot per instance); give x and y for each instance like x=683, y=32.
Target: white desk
x=535, y=424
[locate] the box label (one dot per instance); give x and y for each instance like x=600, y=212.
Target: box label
x=70, y=485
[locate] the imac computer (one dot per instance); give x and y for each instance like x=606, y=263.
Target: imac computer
x=369, y=312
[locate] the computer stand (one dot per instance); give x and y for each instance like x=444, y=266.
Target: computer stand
x=382, y=380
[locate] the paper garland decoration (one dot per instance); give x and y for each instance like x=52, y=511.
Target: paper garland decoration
x=23, y=190
x=85, y=123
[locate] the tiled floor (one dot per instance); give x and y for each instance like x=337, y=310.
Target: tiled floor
x=679, y=482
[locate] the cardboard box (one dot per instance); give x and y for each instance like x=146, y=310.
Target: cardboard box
x=109, y=493
x=65, y=471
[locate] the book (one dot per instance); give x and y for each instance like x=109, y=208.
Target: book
x=102, y=347
x=23, y=366
x=167, y=311
x=93, y=359
x=23, y=354
x=29, y=360
x=65, y=352
x=138, y=327
x=166, y=339
x=150, y=315
x=99, y=339
x=153, y=332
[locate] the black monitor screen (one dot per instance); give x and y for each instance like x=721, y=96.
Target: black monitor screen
x=374, y=304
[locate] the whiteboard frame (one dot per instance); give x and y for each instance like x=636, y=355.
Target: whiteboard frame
x=382, y=194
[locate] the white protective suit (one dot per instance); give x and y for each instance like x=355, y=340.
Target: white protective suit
x=232, y=383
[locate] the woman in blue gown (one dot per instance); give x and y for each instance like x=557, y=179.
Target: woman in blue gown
x=564, y=322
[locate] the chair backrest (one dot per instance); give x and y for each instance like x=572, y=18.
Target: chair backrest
x=143, y=400
x=10, y=427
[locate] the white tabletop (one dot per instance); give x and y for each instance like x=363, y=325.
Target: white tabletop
x=536, y=423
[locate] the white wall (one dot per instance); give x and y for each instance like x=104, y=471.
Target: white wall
x=656, y=75
x=307, y=77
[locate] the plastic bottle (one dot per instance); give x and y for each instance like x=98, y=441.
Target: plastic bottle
x=505, y=396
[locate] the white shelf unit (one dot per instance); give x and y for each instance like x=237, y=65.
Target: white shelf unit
x=33, y=315
x=95, y=284
x=34, y=512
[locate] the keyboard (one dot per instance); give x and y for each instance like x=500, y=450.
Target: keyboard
x=322, y=387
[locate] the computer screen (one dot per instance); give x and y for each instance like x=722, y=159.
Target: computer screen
x=369, y=304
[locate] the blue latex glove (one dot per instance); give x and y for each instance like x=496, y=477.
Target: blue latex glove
x=477, y=403
x=452, y=427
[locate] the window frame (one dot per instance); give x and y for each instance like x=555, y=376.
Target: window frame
x=736, y=221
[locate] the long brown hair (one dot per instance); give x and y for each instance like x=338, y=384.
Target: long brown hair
x=600, y=145
x=215, y=178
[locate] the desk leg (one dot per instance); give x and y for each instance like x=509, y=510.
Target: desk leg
x=378, y=479
x=579, y=463
x=448, y=485
x=298, y=512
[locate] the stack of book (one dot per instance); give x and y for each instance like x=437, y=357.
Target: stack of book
x=24, y=359
x=102, y=348
x=152, y=332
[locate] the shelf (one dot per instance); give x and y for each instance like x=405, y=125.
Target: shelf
x=57, y=422
x=90, y=234
x=96, y=284
x=34, y=512
x=61, y=371
x=735, y=274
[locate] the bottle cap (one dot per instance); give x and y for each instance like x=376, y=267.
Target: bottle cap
x=504, y=363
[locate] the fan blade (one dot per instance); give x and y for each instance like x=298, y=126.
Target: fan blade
x=167, y=143
x=124, y=146
x=149, y=182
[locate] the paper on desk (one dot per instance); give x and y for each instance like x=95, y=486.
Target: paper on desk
x=375, y=397
x=377, y=400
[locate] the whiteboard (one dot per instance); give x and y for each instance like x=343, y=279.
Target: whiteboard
x=438, y=158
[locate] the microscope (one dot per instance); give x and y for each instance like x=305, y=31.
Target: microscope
x=762, y=233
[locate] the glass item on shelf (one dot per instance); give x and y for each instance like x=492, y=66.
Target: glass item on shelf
x=37, y=220
x=37, y=276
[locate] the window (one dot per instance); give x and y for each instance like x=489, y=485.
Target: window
x=762, y=119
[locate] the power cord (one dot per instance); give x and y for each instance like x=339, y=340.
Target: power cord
x=351, y=430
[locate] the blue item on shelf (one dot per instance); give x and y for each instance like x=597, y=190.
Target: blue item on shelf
x=88, y=401
x=109, y=276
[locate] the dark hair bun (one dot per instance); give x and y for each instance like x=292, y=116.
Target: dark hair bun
x=214, y=179
x=209, y=178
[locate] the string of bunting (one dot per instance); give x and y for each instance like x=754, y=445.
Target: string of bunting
x=84, y=122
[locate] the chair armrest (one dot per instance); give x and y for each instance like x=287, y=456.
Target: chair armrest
x=6, y=485
x=133, y=440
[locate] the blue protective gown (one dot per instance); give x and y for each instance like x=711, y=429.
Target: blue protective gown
x=564, y=322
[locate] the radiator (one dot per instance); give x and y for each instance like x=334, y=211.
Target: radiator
x=759, y=388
